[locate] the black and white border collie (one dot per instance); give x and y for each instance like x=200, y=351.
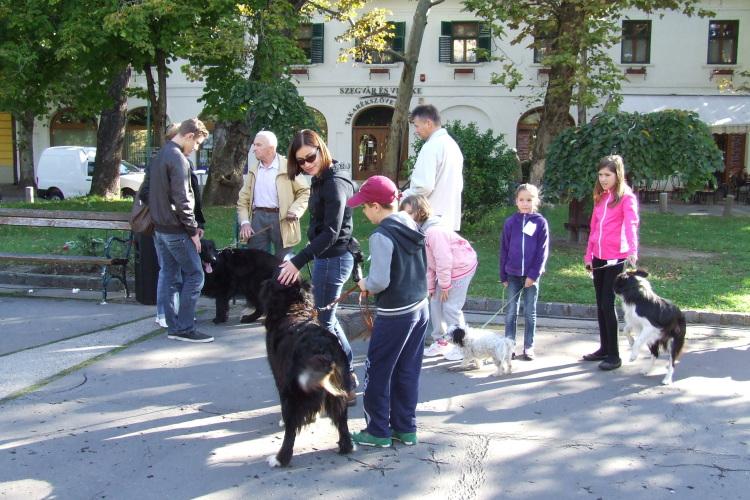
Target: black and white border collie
x=655, y=321
x=308, y=364
x=478, y=345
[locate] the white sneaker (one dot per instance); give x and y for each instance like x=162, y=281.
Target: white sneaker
x=438, y=348
x=454, y=354
x=161, y=321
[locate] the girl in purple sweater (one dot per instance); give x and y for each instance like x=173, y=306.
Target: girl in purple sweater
x=523, y=257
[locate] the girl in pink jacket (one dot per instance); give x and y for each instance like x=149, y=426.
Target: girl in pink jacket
x=613, y=241
x=451, y=263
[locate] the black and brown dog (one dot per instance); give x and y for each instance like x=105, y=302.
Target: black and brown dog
x=308, y=364
x=235, y=271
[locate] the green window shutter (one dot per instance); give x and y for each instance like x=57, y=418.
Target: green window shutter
x=484, y=41
x=399, y=44
x=317, y=43
x=446, y=28
x=445, y=49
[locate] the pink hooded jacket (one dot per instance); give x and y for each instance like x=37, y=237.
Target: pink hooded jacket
x=614, y=230
x=449, y=256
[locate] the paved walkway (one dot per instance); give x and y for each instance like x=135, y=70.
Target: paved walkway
x=164, y=419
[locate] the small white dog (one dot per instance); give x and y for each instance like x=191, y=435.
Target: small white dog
x=477, y=345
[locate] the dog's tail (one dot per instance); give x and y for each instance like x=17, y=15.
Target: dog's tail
x=679, y=337
x=320, y=372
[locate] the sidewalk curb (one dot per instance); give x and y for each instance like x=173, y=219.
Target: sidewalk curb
x=473, y=304
x=60, y=281
x=585, y=311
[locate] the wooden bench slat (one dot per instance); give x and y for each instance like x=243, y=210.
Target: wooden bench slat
x=78, y=259
x=64, y=214
x=69, y=223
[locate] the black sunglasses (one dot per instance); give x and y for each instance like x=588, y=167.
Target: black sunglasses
x=309, y=158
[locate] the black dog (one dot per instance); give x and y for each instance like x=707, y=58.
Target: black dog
x=656, y=321
x=308, y=363
x=230, y=271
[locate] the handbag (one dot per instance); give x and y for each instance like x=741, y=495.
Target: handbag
x=140, y=216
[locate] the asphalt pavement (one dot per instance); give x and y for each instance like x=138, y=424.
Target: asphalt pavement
x=120, y=412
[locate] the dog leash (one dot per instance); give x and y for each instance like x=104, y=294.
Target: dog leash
x=501, y=309
x=367, y=319
x=265, y=229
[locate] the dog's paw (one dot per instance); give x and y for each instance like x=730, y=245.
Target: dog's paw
x=646, y=371
x=281, y=423
x=667, y=380
x=496, y=374
x=633, y=357
x=272, y=461
x=218, y=320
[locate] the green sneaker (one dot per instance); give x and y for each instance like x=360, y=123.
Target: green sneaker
x=408, y=438
x=366, y=439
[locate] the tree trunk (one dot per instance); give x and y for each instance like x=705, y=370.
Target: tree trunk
x=232, y=141
x=158, y=102
x=110, y=138
x=400, y=120
x=557, y=100
x=26, y=150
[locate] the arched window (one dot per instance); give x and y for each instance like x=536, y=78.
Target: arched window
x=320, y=120
x=68, y=128
x=136, y=137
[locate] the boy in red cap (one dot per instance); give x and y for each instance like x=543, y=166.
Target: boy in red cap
x=397, y=279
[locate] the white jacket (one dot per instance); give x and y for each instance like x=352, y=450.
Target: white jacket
x=438, y=176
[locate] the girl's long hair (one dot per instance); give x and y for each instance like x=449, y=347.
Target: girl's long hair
x=616, y=165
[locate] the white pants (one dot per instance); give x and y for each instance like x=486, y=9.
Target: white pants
x=448, y=313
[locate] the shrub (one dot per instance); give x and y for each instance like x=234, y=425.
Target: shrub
x=489, y=169
x=654, y=146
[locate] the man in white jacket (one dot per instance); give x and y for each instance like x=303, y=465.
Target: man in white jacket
x=438, y=172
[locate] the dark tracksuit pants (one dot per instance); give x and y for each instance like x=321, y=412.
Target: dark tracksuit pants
x=604, y=280
x=392, y=370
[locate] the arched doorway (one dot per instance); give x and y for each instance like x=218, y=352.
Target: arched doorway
x=369, y=137
x=136, y=137
x=526, y=132
x=68, y=128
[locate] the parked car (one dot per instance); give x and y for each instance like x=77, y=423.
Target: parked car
x=66, y=171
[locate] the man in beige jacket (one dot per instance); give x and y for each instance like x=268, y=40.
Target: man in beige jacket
x=268, y=197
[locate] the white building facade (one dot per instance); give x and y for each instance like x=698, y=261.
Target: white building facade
x=672, y=62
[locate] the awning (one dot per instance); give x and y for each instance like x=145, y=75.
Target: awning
x=724, y=114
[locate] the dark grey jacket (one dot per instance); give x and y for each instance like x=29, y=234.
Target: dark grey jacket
x=170, y=199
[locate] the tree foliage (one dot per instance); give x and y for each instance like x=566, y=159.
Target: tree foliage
x=489, y=168
x=654, y=146
x=581, y=28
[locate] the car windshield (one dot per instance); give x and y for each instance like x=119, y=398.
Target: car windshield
x=128, y=168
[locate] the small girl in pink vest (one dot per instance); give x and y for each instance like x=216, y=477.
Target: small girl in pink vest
x=451, y=263
x=613, y=242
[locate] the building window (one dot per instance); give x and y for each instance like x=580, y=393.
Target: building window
x=722, y=42
x=636, y=42
x=395, y=43
x=310, y=41
x=543, y=44
x=460, y=40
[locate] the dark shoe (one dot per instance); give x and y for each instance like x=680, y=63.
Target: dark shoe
x=351, y=398
x=594, y=357
x=610, y=365
x=194, y=336
x=528, y=354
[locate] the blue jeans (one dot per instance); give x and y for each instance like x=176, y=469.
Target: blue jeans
x=174, y=299
x=328, y=278
x=179, y=257
x=530, y=294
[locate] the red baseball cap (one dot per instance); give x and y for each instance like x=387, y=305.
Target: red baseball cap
x=377, y=189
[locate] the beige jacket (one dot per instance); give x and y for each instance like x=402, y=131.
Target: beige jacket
x=293, y=197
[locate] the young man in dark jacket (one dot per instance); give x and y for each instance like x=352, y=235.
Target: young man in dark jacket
x=172, y=204
x=398, y=279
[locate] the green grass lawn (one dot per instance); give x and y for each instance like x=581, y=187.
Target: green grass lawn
x=715, y=283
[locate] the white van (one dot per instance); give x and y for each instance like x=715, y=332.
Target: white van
x=66, y=171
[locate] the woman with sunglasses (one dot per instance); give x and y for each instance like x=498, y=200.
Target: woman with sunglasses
x=329, y=232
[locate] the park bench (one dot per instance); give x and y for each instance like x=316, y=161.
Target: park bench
x=75, y=220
